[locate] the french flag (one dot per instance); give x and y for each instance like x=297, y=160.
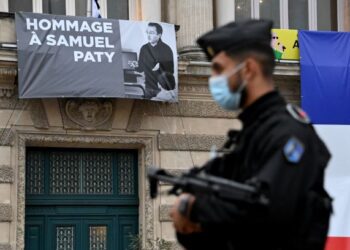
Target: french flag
x=95, y=9
x=325, y=90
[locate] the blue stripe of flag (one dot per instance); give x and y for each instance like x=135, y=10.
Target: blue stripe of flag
x=325, y=76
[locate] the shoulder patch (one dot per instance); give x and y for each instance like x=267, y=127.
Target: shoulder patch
x=293, y=150
x=298, y=114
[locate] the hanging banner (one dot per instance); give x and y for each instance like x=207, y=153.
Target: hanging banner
x=325, y=95
x=285, y=44
x=66, y=56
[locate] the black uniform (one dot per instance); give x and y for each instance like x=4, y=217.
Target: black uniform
x=279, y=149
x=148, y=59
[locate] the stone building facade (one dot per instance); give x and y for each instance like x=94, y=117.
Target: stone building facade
x=171, y=136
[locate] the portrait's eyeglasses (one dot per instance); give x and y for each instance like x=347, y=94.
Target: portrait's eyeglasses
x=151, y=33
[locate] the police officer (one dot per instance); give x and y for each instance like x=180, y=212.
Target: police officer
x=277, y=149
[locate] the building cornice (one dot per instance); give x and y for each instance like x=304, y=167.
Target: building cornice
x=202, y=69
x=8, y=55
x=287, y=70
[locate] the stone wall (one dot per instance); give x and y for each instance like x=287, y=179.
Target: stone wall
x=346, y=20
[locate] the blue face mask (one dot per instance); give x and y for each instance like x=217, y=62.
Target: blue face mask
x=219, y=89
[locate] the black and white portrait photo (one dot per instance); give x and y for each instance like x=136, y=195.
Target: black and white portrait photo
x=149, y=60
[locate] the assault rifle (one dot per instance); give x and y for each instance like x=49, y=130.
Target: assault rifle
x=199, y=183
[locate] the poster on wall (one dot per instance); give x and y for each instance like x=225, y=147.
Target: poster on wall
x=285, y=44
x=66, y=56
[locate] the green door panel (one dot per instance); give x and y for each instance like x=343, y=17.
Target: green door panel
x=127, y=228
x=34, y=231
x=86, y=232
x=80, y=199
x=63, y=234
x=98, y=234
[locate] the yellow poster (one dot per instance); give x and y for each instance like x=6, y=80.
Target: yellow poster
x=285, y=44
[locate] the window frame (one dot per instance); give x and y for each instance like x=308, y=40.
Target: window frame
x=115, y=198
x=37, y=6
x=284, y=14
x=104, y=6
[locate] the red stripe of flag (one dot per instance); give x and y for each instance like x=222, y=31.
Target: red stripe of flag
x=338, y=243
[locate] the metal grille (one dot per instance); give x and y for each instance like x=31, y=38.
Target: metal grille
x=126, y=174
x=64, y=238
x=80, y=172
x=35, y=173
x=97, y=169
x=98, y=238
x=65, y=173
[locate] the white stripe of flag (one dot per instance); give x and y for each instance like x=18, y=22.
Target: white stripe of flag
x=337, y=181
x=95, y=9
x=325, y=95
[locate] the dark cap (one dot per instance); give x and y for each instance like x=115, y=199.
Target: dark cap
x=236, y=36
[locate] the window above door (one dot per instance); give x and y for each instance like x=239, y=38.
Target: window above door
x=81, y=174
x=117, y=9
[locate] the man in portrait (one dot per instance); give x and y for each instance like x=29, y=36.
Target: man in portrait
x=156, y=62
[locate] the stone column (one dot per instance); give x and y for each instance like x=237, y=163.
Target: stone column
x=4, y=6
x=151, y=10
x=195, y=17
x=225, y=12
x=170, y=9
x=7, y=31
x=346, y=15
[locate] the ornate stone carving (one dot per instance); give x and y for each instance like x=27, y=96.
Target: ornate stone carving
x=87, y=114
x=12, y=102
x=181, y=142
x=8, y=73
x=5, y=213
x=6, y=174
x=143, y=143
x=38, y=114
x=8, y=90
x=6, y=137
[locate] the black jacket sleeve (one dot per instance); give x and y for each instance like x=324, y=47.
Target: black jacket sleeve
x=141, y=61
x=285, y=182
x=167, y=63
